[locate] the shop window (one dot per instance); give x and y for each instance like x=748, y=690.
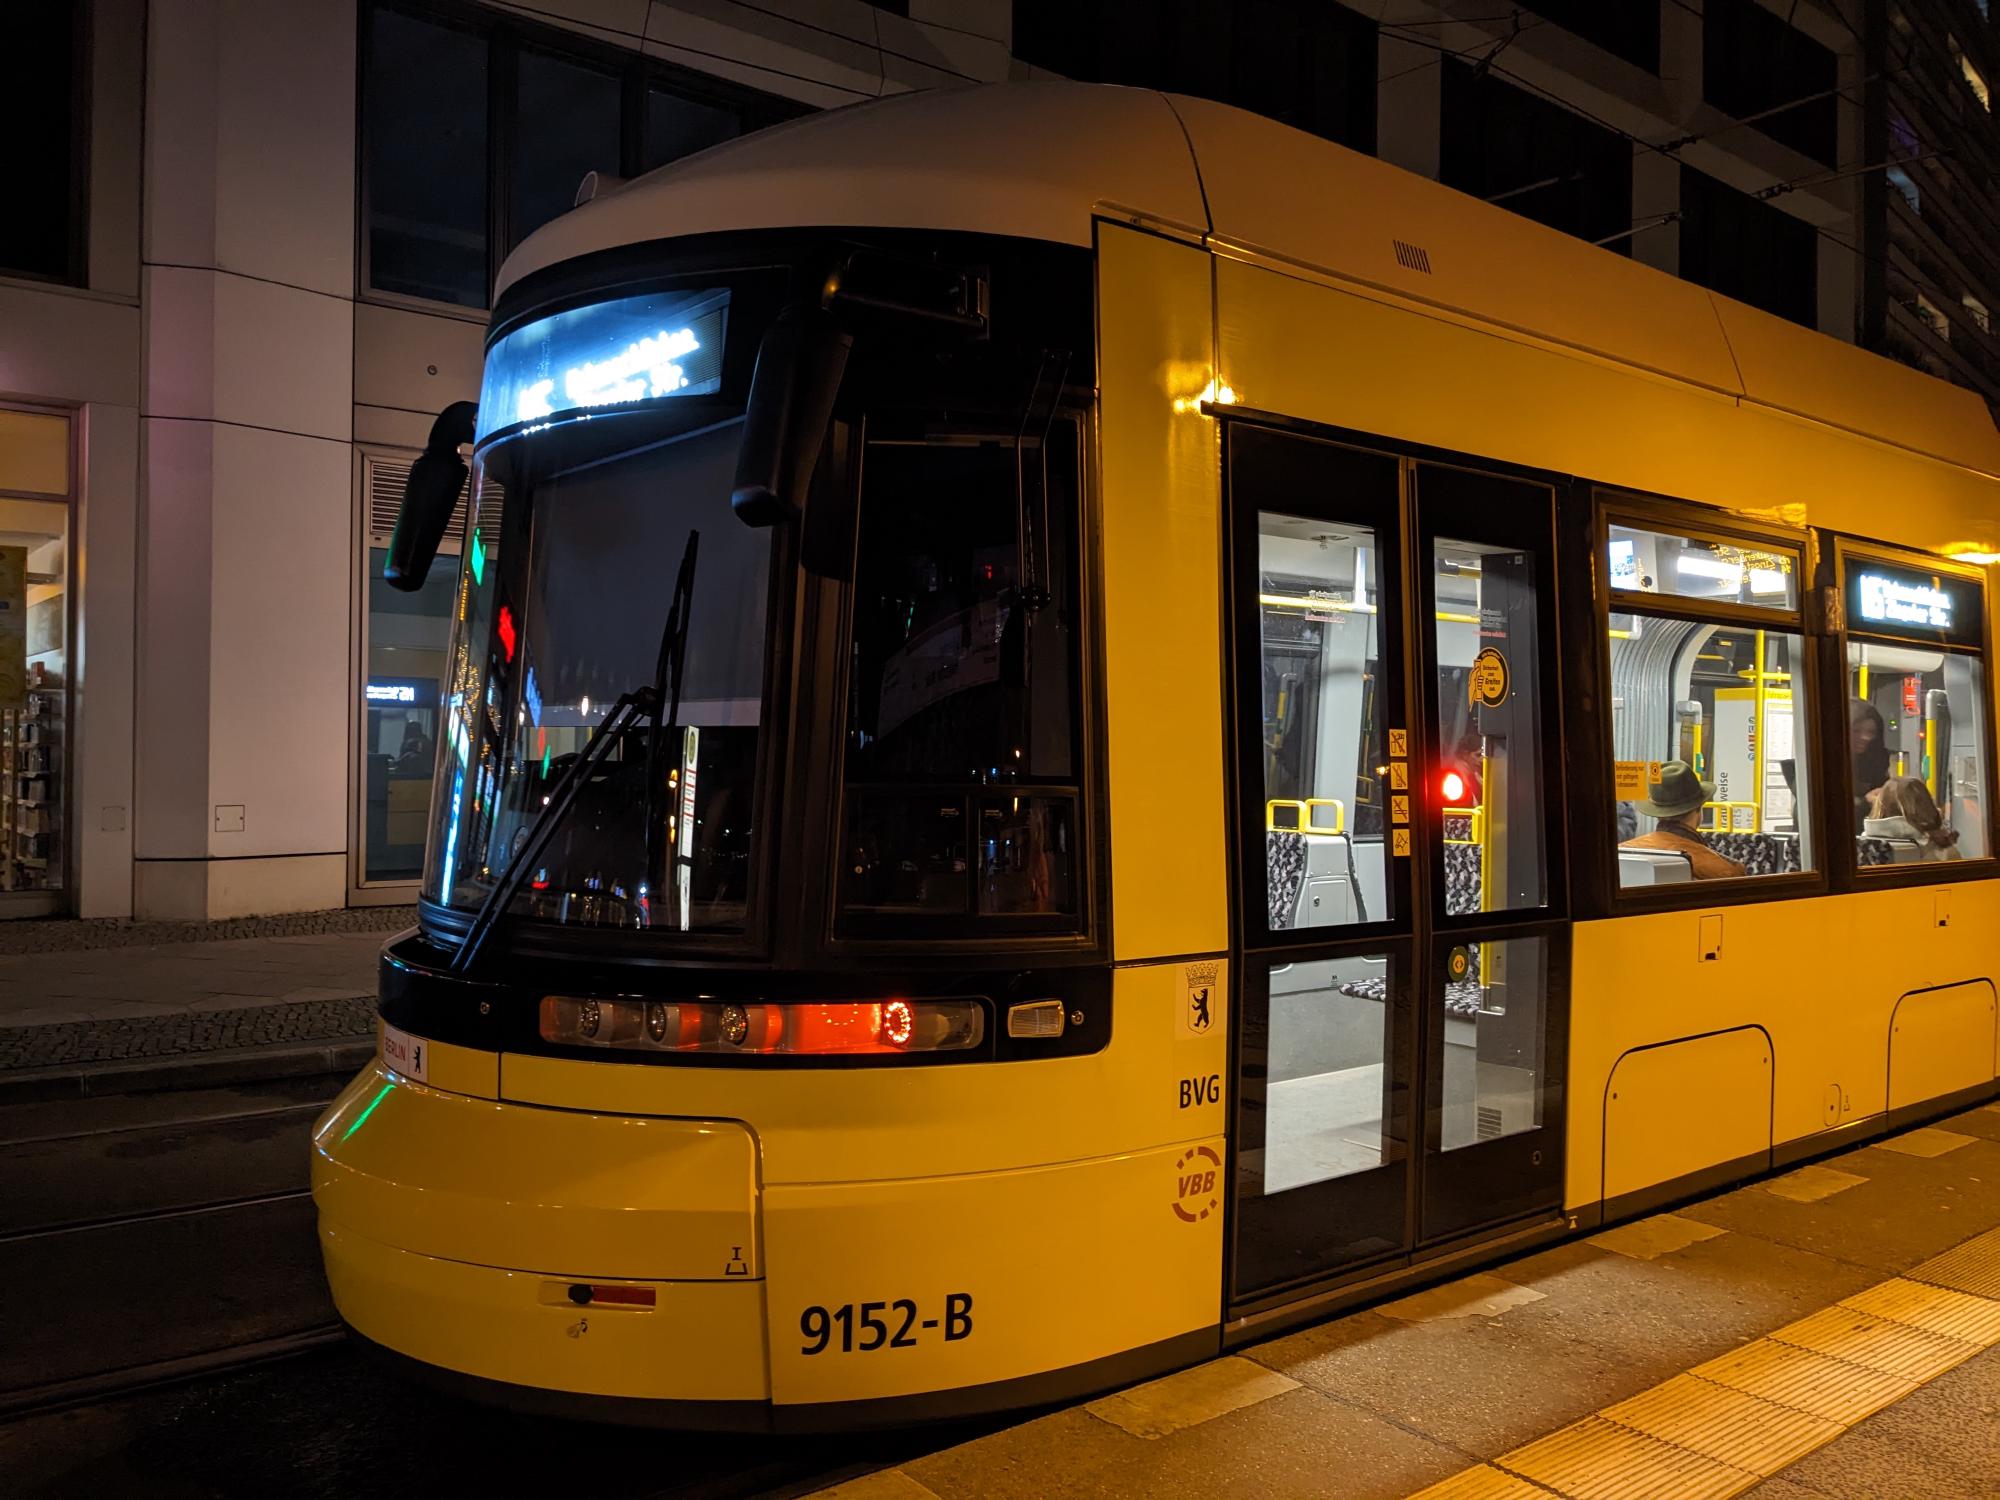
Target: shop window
x=1916, y=714
x=1311, y=66
x=44, y=89
x=1733, y=244
x=963, y=770
x=1753, y=63
x=1903, y=183
x=34, y=658
x=478, y=130
x=1710, y=708
x=1534, y=157
x=1976, y=310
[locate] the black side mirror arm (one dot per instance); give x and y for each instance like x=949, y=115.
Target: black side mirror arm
x=428, y=496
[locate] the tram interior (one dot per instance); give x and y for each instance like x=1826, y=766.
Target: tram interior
x=1328, y=819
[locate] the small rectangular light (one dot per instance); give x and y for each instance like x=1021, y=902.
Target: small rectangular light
x=1036, y=1018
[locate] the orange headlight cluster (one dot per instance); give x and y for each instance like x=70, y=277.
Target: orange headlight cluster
x=823, y=1028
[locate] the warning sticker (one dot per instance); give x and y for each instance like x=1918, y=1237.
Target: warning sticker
x=1632, y=780
x=1196, y=1176
x=1401, y=837
x=1201, y=1007
x=1399, y=742
x=1399, y=809
x=1399, y=776
x=1489, y=682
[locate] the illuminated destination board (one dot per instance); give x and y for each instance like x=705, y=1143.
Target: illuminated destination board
x=609, y=354
x=1903, y=602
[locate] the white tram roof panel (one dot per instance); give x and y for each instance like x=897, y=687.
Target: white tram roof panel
x=1042, y=160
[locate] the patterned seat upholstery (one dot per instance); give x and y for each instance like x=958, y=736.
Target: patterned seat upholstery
x=1868, y=851
x=1462, y=999
x=1461, y=874
x=1284, y=873
x=1758, y=853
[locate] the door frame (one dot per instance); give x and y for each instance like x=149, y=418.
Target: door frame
x=1415, y=939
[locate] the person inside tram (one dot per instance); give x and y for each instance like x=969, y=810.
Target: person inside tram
x=1904, y=810
x=1868, y=746
x=417, y=753
x=1676, y=806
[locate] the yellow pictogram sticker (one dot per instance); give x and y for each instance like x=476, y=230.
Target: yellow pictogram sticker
x=1490, y=681
x=1399, y=775
x=1399, y=742
x=1633, y=780
x=1399, y=809
x=1402, y=842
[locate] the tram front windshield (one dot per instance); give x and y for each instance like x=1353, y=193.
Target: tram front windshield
x=612, y=463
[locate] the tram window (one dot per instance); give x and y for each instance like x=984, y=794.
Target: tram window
x=1916, y=721
x=962, y=762
x=562, y=617
x=1328, y=1088
x=1325, y=808
x=1489, y=721
x=1712, y=761
x=1491, y=996
x=1655, y=562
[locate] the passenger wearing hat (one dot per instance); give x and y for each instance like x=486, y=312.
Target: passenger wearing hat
x=1676, y=802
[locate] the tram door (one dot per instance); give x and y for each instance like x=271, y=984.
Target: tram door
x=1402, y=1002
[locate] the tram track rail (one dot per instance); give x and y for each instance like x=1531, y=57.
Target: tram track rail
x=130, y=1380
x=147, y=1216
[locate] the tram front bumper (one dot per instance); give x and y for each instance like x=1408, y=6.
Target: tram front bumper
x=461, y=1233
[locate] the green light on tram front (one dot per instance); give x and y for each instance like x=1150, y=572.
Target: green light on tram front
x=362, y=1118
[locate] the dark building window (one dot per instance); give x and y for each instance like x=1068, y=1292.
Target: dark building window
x=1532, y=156
x=43, y=95
x=477, y=131
x=568, y=121
x=1753, y=62
x=1735, y=245
x=1311, y=65
x=1625, y=28
x=426, y=160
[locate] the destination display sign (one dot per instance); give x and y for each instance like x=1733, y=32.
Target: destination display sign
x=609, y=354
x=1905, y=602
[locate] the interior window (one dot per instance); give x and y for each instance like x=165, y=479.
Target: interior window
x=1916, y=748
x=963, y=768
x=1711, y=774
x=1325, y=802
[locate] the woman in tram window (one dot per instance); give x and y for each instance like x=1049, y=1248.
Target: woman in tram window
x=1868, y=742
x=1904, y=811
x=1676, y=805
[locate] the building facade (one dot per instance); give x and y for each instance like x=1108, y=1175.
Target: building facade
x=252, y=249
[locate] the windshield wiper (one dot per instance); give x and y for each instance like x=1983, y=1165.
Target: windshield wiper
x=640, y=703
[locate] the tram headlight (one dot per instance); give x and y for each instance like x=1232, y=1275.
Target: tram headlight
x=796, y=1028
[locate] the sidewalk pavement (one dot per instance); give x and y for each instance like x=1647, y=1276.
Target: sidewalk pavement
x=90, y=1007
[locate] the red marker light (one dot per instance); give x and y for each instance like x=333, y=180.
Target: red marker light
x=505, y=628
x=899, y=1023
x=1453, y=787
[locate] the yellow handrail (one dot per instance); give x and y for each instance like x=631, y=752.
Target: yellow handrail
x=1478, y=817
x=1305, y=821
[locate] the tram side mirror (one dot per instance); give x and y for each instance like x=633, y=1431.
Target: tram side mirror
x=428, y=496
x=799, y=366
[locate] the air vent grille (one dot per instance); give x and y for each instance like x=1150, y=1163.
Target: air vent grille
x=1412, y=257
x=384, y=479
x=1490, y=1123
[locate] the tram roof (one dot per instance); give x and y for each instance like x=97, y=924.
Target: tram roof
x=1044, y=160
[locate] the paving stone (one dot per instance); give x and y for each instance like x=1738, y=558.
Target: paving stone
x=83, y=1042
x=1649, y=1239
x=71, y=935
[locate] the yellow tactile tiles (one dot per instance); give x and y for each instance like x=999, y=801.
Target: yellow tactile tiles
x=1721, y=1427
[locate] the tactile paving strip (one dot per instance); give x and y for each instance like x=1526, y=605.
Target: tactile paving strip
x=1725, y=1425
x=1973, y=1267
x=1600, y=1460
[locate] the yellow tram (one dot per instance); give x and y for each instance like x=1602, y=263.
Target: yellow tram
x=1080, y=726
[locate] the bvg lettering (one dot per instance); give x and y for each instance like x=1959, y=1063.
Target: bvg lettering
x=1201, y=1091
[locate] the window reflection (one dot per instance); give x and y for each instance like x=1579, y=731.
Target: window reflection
x=1491, y=996
x=1327, y=1099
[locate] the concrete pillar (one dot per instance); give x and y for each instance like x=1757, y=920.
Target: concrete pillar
x=244, y=690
